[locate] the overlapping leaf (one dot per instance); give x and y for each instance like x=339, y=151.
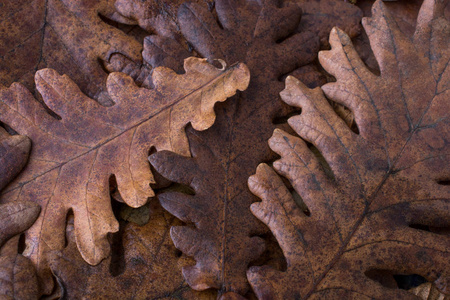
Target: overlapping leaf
x=18, y=278
x=152, y=266
x=379, y=211
x=70, y=36
x=73, y=157
x=222, y=240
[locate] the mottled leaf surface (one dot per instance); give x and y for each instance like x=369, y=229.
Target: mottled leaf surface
x=152, y=266
x=75, y=154
x=221, y=235
x=18, y=278
x=74, y=37
x=388, y=190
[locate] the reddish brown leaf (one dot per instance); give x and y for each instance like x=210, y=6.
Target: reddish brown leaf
x=389, y=182
x=18, y=278
x=222, y=235
x=152, y=266
x=70, y=36
x=16, y=217
x=73, y=158
x=14, y=152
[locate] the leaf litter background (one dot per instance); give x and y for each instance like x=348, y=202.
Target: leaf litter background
x=88, y=39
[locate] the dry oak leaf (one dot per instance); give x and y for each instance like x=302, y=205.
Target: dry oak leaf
x=387, y=180
x=70, y=36
x=223, y=239
x=14, y=151
x=224, y=156
x=18, y=278
x=73, y=158
x=151, y=265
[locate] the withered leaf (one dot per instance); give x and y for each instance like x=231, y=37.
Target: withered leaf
x=221, y=231
x=73, y=158
x=18, y=278
x=72, y=37
x=14, y=152
x=152, y=266
x=389, y=182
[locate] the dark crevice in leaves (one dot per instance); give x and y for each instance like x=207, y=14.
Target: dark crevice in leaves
x=406, y=282
x=117, y=265
x=21, y=244
x=284, y=119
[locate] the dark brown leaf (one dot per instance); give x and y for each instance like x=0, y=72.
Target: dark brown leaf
x=221, y=231
x=14, y=152
x=18, y=278
x=70, y=36
x=152, y=266
x=389, y=183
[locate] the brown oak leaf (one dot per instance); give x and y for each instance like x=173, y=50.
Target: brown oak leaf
x=152, y=266
x=389, y=183
x=221, y=231
x=74, y=37
x=74, y=155
x=18, y=278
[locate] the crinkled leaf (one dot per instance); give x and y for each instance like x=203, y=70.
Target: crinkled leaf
x=14, y=152
x=74, y=37
x=152, y=266
x=73, y=158
x=389, y=182
x=221, y=232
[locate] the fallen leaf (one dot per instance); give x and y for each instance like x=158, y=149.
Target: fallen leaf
x=389, y=182
x=152, y=266
x=70, y=36
x=221, y=232
x=14, y=152
x=73, y=157
x=159, y=17
x=18, y=278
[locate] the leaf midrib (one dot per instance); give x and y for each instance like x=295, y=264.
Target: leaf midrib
x=217, y=78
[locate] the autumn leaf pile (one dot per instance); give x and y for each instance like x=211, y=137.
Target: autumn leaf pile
x=227, y=149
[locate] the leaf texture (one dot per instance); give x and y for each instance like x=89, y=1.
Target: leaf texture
x=18, y=278
x=152, y=266
x=221, y=232
x=388, y=182
x=14, y=151
x=73, y=158
x=74, y=37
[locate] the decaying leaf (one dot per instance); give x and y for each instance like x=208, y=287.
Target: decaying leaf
x=155, y=16
x=152, y=266
x=70, y=36
x=18, y=278
x=221, y=232
x=73, y=157
x=14, y=152
x=389, y=183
